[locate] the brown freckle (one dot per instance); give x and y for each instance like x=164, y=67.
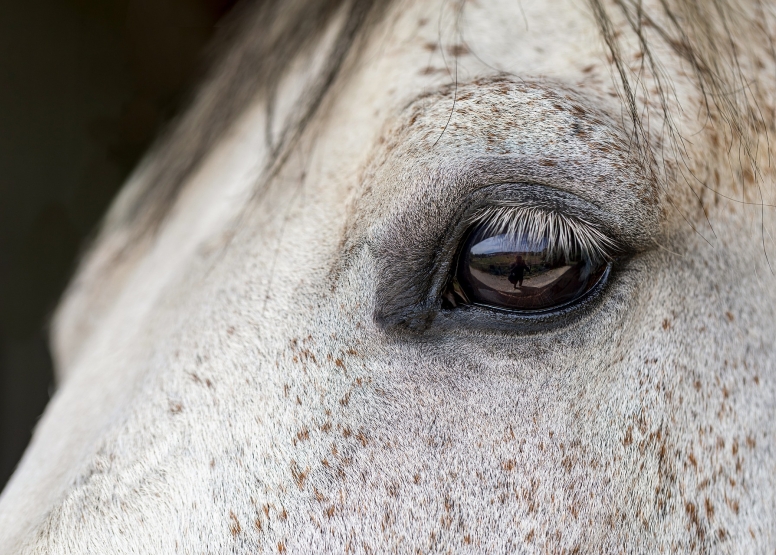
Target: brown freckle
x=230, y=330
x=346, y=432
x=257, y=523
x=339, y=363
x=281, y=547
x=733, y=504
x=721, y=533
x=698, y=385
x=430, y=46
x=329, y=512
x=208, y=383
x=628, y=436
x=757, y=380
x=362, y=438
x=458, y=50
x=467, y=539
x=352, y=352
x=666, y=324
x=509, y=465
x=750, y=442
x=212, y=463
x=326, y=428
x=588, y=69
x=416, y=478
x=730, y=316
x=299, y=475
x=428, y=70
x=283, y=514
x=303, y=434
x=234, y=527
x=345, y=400
x=547, y=162
x=692, y=513
x=325, y=463
x=530, y=536
x=693, y=462
x=175, y=408
x=709, y=508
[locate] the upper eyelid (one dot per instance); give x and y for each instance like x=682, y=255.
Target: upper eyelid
x=419, y=188
x=532, y=139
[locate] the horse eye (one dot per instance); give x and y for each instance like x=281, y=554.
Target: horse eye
x=522, y=272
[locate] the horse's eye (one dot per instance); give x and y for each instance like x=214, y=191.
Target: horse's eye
x=524, y=268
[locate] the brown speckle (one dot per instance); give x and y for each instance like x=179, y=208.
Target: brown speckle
x=457, y=50
x=709, y=508
x=234, y=526
x=299, y=475
x=345, y=400
x=281, y=547
x=362, y=438
x=693, y=461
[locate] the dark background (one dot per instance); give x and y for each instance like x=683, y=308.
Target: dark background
x=85, y=86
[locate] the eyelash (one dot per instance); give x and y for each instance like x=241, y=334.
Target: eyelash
x=569, y=236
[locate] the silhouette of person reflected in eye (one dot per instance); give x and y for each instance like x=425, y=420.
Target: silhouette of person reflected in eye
x=517, y=272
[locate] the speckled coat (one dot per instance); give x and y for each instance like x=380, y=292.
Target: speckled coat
x=272, y=371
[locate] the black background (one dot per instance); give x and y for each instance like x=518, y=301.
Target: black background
x=85, y=86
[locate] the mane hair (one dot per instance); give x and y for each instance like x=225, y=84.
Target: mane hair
x=259, y=41
x=722, y=42
x=715, y=37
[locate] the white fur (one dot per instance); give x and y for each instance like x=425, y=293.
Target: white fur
x=227, y=388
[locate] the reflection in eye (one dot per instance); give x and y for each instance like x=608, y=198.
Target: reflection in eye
x=528, y=260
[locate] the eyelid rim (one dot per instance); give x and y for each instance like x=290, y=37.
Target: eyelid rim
x=404, y=305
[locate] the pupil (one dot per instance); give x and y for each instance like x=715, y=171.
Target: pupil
x=515, y=272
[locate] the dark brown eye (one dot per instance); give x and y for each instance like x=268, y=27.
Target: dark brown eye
x=525, y=268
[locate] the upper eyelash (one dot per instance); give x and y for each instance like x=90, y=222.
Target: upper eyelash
x=569, y=236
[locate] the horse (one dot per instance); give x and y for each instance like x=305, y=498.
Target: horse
x=294, y=332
